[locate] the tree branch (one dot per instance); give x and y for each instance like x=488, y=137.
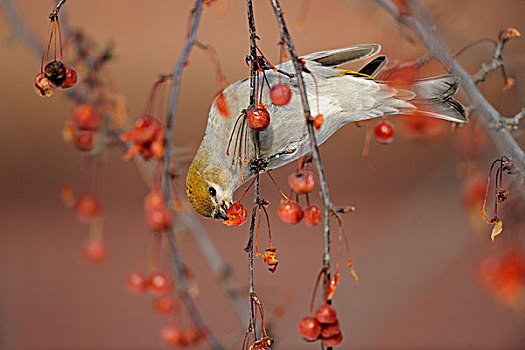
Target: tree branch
x=327, y=204
x=488, y=115
x=254, y=70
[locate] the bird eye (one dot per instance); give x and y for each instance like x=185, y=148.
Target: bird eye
x=212, y=191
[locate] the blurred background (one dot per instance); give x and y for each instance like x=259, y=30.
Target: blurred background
x=413, y=246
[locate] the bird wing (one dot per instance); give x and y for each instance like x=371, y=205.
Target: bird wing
x=337, y=57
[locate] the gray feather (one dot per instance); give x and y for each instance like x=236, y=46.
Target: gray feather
x=333, y=58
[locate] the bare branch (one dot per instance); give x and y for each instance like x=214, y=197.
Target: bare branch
x=497, y=59
x=257, y=198
x=21, y=30
x=327, y=204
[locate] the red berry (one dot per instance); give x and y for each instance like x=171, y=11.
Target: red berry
x=258, y=119
x=164, y=305
x=158, y=218
x=191, y=335
x=384, y=132
x=160, y=284
x=154, y=200
x=310, y=329
x=136, y=282
x=84, y=140
x=70, y=80
x=222, y=105
x=67, y=194
x=44, y=86
x=312, y=215
x=172, y=336
x=236, y=214
x=87, y=208
x=94, y=251
x=333, y=341
x=290, y=212
x=325, y=314
x=86, y=117
x=302, y=181
x=280, y=94
x=318, y=121
x=56, y=72
x=330, y=330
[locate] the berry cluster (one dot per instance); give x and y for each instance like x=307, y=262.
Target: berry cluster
x=290, y=212
x=324, y=326
x=82, y=129
x=88, y=211
x=55, y=73
x=147, y=137
x=158, y=216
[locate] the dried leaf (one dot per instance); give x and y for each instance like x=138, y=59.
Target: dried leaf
x=496, y=230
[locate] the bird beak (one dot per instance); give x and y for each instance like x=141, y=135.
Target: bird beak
x=221, y=213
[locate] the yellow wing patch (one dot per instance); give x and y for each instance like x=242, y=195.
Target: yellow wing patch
x=351, y=72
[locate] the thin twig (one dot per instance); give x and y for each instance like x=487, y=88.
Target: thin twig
x=21, y=30
x=327, y=204
x=487, y=114
x=253, y=91
x=57, y=8
x=497, y=62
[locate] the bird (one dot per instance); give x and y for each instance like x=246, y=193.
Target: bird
x=341, y=96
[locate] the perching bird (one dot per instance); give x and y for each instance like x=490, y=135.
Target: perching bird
x=343, y=97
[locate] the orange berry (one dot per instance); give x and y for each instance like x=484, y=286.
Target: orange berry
x=258, y=119
x=290, y=212
x=280, y=94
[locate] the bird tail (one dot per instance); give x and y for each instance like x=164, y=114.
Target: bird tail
x=435, y=98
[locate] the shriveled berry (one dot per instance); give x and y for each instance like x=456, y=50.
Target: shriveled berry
x=258, y=119
x=290, y=212
x=84, y=140
x=172, y=336
x=56, y=72
x=236, y=214
x=44, y=86
x=158, y=218
x=330, y=330
x=159, y=284
x=164, y=305
x=70, y=79
x=310, y=329
x=94, y=251
x=280, y=94
x=136, y=282
x=384, y=132
x=302, y=181
x=325, y=314
x=87, y=208
x=86, y=117
x=312, y=215
x=333, y=341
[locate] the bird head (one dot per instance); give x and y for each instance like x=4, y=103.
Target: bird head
x=208, y=188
